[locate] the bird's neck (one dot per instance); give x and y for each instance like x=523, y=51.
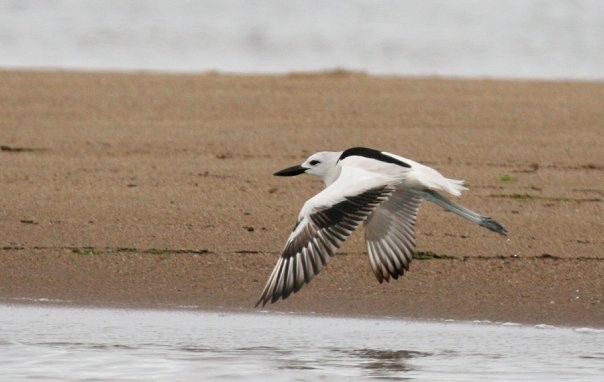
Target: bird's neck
x=331, y=176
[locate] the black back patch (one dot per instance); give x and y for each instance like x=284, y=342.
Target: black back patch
x=373, y=154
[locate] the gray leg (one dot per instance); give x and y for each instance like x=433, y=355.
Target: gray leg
x=484, y=221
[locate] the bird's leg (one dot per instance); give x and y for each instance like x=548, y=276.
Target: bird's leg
x=484, y=221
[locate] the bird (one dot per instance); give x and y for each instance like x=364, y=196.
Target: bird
x=362, y=185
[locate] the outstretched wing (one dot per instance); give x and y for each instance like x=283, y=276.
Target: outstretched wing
x=324, y=223
x=390, y=234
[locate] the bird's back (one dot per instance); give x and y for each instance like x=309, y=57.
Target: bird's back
x=407, y=174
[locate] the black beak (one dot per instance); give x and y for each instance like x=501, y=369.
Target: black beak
x=291, y=171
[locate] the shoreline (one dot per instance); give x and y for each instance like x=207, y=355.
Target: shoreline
x=345, y=288
x=244, y=311
x=58, y=304
x=121, y=189
x=329, y=72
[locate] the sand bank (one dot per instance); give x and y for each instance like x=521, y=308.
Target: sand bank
x=168, y=179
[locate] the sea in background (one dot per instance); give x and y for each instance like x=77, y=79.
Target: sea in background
x=74, y=344
x=543, y=39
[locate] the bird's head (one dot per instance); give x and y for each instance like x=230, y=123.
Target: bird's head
x=322, y=164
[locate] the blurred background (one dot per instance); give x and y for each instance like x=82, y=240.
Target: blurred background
x=545, y=39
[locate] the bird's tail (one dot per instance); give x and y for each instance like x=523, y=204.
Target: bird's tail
x=454, y=186
x=484, y=221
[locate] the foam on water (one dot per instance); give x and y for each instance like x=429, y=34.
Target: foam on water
x=78, y=344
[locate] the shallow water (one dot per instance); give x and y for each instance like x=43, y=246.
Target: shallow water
x=514, y=38
x=69, y=344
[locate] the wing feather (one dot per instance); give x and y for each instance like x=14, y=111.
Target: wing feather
x=390, y=234
x=316, y=238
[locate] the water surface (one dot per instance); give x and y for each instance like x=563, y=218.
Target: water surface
x=514, y=38
x=69, y=344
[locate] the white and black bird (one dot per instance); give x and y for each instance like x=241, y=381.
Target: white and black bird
x=379, y=189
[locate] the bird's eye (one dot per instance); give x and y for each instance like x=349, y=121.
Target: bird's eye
x=314, y=162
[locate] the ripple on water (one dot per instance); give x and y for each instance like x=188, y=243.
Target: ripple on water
x=58, y=343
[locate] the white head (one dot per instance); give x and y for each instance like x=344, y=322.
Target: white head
x=322, y=164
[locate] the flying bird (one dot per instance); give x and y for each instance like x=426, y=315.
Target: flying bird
x=379, y=189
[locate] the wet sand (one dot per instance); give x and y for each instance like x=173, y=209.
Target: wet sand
x=156, y=191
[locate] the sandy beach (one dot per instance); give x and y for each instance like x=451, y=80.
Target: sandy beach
x=151, y=190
